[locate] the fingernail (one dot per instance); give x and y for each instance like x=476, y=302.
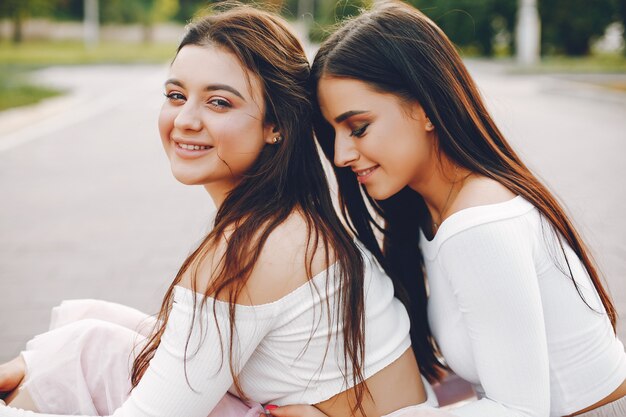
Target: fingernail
x=271, y=407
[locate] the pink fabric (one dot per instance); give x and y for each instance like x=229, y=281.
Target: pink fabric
x=419, y=411
x=82, y=364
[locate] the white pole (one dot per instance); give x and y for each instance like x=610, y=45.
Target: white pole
x=91, y=25
x=306, y=10
x=528, y=33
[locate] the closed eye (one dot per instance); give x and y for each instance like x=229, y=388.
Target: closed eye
x=360, y=131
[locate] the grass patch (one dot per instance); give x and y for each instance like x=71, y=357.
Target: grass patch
x=42, y=53
x=15, y=90
x=18, y=60
x=592, y=64
x=613, y=63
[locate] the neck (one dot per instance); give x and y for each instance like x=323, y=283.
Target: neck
x=218, y=191
x=440, y=187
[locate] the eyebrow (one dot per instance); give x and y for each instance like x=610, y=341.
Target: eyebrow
x=348, y=114
x=210, y=87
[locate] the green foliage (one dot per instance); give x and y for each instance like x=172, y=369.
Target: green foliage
x=612, y=63
x=484, y=27
x=160, y=10
x=146, y=12
x=569, y=26
x=16, y=90
x=27, y=8
x=328, y=13
x=472, y=24
x=69, y=10
x=188, y=8
x=20, y=10
x=333, y=11
x=43, y=53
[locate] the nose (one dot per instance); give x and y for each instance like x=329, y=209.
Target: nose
x=188, y=118
x=345, y=152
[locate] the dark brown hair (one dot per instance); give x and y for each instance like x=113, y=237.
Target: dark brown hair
x=285, y=178
x=397, y=49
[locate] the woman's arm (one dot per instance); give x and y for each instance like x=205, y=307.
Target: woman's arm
x=171, y=386
x=492, y=274
x=188, y=379
x=310, y=411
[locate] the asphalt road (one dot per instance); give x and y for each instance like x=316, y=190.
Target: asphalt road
x=88, y=208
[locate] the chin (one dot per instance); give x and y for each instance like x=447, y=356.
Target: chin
x=378, y=194
x=186, y=179
x=381, y=193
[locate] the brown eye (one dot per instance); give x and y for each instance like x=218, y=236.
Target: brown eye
x=219, y=103
x=174, y=96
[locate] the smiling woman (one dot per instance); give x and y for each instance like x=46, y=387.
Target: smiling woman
x=274, y=278
x=386, y=116
x=271, y=306
x=484, y=251
x=212, y=123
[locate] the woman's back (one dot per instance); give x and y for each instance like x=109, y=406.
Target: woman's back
x=299, y=354
x=236, y=120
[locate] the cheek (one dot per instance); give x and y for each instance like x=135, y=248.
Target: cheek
x=166, y=122
x=405, y=149
x=238, y=140
x=416, y=156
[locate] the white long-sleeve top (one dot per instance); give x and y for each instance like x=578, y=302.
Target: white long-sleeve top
x=280, y=349
x=509, y=321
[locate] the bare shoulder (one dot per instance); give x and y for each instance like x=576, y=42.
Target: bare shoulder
x=279, y=269
x=480, y=191
x=282, y=264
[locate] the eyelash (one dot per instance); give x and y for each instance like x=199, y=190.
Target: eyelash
x=223, y=103
x=359, y=132
x=218, y=103
x=173, y=96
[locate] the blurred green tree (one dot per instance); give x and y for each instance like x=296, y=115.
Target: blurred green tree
x=336, y=11
x=146, y=12
x=620, y=16
x=69, y=10
x=569, y=26
x=188, y=8
x=20, y=10
x=327, y=13
x=473, y=24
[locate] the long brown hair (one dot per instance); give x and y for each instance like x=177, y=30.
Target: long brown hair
x=285, y=178
x=397, y=49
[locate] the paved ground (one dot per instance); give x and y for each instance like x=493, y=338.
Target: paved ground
x=88, y=207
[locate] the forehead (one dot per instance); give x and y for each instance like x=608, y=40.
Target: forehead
x=199, y=66
x=338, y=95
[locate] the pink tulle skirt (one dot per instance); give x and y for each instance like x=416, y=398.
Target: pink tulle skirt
x=82, y=364
x=419, y=411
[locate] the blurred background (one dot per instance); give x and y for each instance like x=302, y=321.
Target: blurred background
x=544, y=35
x=88, y=208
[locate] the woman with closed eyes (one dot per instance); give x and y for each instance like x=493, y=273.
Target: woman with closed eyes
x=515, y=304
x=278, y=304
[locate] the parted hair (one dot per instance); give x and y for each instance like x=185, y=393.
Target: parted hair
x=286, y=177
x=396, y=49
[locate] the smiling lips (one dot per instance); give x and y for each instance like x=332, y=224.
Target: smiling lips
x=363, y=175
x=191, y=150
x=192, y=147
